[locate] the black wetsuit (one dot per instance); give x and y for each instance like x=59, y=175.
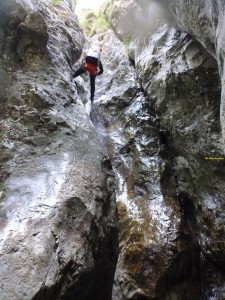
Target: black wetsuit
x=94, y=61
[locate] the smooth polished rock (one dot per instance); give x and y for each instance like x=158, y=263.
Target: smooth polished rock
x=177, y=72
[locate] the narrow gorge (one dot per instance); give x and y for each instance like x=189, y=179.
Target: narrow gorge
x=123, y=198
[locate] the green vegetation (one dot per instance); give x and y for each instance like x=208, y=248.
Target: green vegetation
x=100, y=23
x=55, y=2
x=93, y=23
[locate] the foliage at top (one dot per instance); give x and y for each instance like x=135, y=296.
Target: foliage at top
x=93, y=22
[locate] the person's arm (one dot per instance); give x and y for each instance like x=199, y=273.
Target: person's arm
x=100, y=68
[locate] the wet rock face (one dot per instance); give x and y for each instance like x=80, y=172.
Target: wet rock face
x=58, y=236
x=185, y=88
x=163, y=130
x=208, y=27
x=158, y=246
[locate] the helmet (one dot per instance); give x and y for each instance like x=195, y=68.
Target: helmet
x=97, y=49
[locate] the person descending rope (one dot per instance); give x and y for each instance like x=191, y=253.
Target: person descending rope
x=93, y=66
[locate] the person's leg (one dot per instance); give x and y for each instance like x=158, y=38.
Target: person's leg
x=79, y=72
x=92, y=80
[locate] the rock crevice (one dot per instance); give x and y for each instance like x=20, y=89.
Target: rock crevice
x=167, y=187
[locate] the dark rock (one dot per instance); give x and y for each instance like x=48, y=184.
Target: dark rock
x=58, y=216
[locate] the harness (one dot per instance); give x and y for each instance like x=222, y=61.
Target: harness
x=92, y=69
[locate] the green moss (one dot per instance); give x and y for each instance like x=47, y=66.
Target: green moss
x=126, y=43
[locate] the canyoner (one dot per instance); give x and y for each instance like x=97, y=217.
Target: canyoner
x=91, y=64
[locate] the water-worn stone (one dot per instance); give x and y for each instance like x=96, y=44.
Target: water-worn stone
x=181, y=83
x=58, y=222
